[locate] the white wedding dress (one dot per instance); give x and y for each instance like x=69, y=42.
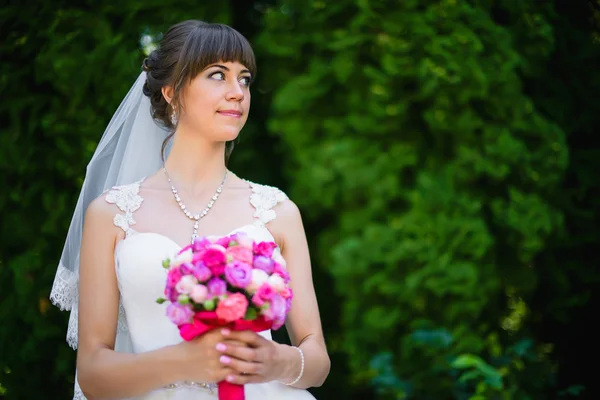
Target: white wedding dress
x=143, y=325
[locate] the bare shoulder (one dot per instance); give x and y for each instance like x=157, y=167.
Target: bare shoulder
x=99, y=208
x=287, y=227
x=104, y=209
x=287, y=211
x=100, y=215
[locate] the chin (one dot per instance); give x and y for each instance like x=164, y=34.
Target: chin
x=228, y=136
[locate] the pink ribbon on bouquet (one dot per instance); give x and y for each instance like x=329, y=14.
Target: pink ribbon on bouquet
x=204, y=321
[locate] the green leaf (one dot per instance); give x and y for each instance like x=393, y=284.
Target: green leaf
x=467, y=361
x=210, y=305
x=251, y=314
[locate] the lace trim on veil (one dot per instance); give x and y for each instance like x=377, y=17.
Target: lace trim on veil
x=65, y=293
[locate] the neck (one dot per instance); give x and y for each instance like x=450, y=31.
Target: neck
x=195, y=163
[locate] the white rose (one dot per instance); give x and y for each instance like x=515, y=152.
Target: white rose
x=259, y=277
x=185, y=257
x=199, y=294
x=186, y=284
x=245, y=241
x=276, y=282
x=278, y=258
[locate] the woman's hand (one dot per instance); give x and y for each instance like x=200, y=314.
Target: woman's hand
x=251, y=358
x=200, y=357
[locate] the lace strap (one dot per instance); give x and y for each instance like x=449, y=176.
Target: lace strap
x=263, y=199
x=128, y=200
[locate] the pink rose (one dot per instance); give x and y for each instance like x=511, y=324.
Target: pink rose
x=278, y=323
x=280, y=269
x=199, y=294
x=288, y=305
x=171, y=294
x=224, y=241
x=179, y=314
x=232, y=308
x=244, y=241
x=238, y=274
x=186, y=284
x=264, y=249
x=276, y=311
x=264, y=263
x=259, y=277
x=264, y=294
x=197, y=257
x=200, y=243
x=240, y=254
x=201, y=272
x=217, y=287
x=276, y=282
x=186, y=268
x=173, y=277
x=214, y=258
x=286, y=293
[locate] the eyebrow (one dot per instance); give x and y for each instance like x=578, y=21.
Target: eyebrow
x=225, y=68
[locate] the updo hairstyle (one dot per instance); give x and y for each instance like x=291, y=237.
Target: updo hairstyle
x=185, y=50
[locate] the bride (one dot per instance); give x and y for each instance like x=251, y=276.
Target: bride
x=137, y=208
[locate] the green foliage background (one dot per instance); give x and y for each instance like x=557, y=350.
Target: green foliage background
x=443, y=154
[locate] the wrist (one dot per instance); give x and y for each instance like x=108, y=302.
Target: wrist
x=284, y=361
x=290, y=365
x=177, y=363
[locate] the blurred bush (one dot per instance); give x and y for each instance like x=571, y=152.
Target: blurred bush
x=439, y=143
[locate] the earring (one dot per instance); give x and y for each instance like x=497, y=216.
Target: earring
x=173, y=117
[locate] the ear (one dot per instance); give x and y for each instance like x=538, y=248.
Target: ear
x=167, y=92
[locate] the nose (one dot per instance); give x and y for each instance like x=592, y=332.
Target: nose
x=236, y=92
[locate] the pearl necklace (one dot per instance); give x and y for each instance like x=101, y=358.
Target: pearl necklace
x=195, y=217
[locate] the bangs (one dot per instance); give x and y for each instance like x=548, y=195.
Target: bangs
x=209, y=44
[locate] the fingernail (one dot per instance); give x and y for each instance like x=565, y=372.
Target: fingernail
x=225, y=331
x=230, y=378
x=225, y=359
x=221, y=347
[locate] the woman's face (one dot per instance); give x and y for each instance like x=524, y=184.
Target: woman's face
x=217, y=101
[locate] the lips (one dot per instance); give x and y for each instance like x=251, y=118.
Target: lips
x=231, y=113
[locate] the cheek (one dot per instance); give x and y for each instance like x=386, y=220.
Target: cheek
x=246, y=101
x=199, y=107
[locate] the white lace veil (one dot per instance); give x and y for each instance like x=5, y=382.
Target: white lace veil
x=128, y=151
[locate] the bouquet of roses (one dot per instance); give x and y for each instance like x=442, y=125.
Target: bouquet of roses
x=229, y=281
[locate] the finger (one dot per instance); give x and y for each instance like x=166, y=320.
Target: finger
x=241, y=366
x=244, y=353
x=221, y=374
x=240, y=379
x=249, y=337
x=232, y=342
x=212, y=335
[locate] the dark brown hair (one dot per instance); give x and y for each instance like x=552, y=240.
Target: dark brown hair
x=184, y=51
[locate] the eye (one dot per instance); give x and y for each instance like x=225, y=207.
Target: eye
x=246, y=80
x=218, y=75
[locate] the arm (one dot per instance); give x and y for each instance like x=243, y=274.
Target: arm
x=102, y=372
x=264, y=360
x=303, y=322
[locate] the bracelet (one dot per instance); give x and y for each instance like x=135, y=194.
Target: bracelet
x=301, y=368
